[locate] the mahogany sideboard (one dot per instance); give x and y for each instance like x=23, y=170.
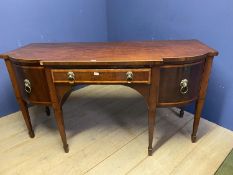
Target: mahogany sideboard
x=165, y=73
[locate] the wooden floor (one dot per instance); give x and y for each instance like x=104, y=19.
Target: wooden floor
x=107, y=134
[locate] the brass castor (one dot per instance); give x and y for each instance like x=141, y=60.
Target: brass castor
x=149, y=152
x=66, y=148
x=193, y=138
x=31, y=134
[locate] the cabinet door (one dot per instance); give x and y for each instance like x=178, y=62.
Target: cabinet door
x=33, y=84
x=179, y=84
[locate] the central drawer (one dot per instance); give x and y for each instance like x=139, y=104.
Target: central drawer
x=102, y=76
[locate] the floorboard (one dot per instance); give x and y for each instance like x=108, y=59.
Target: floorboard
x=107, y=133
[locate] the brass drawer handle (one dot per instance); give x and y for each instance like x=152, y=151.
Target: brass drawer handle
x=184, y=86
x=129, y=76
x=27, y=86
x=71, y=77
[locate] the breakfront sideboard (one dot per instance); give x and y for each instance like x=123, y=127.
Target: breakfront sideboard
x=165, y=73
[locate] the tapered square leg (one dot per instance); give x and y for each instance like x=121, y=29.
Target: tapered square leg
x=57, y=109
x=22, y=104
x=197, y=117
x=25, y=113
x=181, y=115
x=151, y=124
x=61, y=127
x=201, y=97
x=47, y=111
x=152, y=102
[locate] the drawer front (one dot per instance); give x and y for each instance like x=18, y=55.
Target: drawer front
x=179, y=83
x=104, y=76
x=32, y=83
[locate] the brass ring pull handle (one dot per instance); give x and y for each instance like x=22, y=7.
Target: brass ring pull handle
x=71, y=77
x=184, y=86
x=129, y=76
x=27, y=86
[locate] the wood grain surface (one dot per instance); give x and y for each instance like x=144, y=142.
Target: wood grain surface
x=127, y=53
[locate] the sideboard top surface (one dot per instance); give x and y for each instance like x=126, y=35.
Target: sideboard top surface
x=97, y=53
